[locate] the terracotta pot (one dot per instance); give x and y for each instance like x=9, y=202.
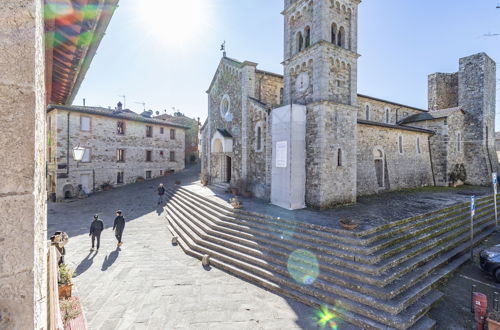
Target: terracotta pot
x=247, y=194
x=234, y=191
x=177, y=182
x=349, y=226
x=65, y=291
x=107, y=188
x=493, y=325
x=139, y=180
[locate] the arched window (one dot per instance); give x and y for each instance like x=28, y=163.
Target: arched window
x=387, y=116
x=367, y=112
x=281, y=95
x=341, y=37
x=378, y=157
x=259, y=138
x=400, y=144
x=339, y=157
x=300, y=41
x=307, y=33
x=419, y=151
x=334, y=33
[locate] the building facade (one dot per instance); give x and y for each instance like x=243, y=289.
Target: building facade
x=192, y=134
x=121, y=147
x=355, y=144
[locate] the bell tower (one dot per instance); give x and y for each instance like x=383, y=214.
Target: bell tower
x=320, y=66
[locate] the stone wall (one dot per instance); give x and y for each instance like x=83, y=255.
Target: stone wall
x=377, y=110
x=269, y=88
x=409, y=169
x=443, y=91
x=23, y=270
x=257, y=152
x=104, y=142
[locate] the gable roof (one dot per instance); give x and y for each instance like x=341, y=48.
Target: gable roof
x=224, y=133
x=431, y=115
x=397, y=126
x=119, y=114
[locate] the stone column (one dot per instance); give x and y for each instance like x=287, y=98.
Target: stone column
x=23, y=288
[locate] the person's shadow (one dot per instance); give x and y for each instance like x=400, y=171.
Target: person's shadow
x=159, y=210
x=85, y=264
x=110, y=259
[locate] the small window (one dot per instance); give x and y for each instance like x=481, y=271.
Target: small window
x=334, y=34
x=281, y=96
x=149, y=156
x=400, y=144
x=258, y=138
x=149, y=131
x=172, y=156
x=85, y=123
x=172, y=134
x=367, y=112
x=300, y=41
x=419, y=151
x=162, y=155
x=387, y=116
x=339, y=157
x=161, y=172
x=148, y=174
x=162, y=130
x=120, y=155
x=120, y=178
x=307, y=33
x=86, y=156
x=459, y=142
x=120, y=128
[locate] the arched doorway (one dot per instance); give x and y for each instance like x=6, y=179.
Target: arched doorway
x=379, y=162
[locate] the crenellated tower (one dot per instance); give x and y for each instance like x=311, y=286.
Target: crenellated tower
x=320, y=69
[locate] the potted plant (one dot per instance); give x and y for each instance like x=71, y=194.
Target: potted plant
x=235, y=202
x=234, y=190
x=177, y=182
x=204, y=179
x=70, y=309
x=139, y=179
x=348, y=223
x=458, y=175
x=65, y=281
x=494, y=320
x=243, y=188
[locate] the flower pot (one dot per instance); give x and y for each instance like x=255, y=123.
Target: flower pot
x=247, y=194
x=177, y=182
x=65, y=291
x=234, y=191
x=493, y=325
x=349, y=226
x=107, y=188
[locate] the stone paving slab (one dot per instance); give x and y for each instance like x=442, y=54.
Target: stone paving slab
x=369, y=211
x=150, y=284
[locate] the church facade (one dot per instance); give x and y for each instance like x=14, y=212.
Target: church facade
x=354, y=144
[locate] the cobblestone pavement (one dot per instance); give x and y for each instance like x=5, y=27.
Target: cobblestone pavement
x=150, y=284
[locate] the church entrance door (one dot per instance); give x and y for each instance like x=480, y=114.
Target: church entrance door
x=228, y=169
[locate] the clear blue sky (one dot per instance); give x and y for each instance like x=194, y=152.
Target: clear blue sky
x=165, y=52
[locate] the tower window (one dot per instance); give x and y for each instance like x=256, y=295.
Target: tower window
x=307, y=33
x=334, y=33
x=341, y=37
x=300, y=41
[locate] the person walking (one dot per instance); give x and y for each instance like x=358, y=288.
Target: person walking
x=118, y=227
x=161, y=193
x=96, y=229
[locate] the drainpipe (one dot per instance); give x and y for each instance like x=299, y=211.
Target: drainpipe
x=67, y=148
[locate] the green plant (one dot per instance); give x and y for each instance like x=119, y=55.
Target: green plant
x=65, y=274
x=106, y=185
x=459, y=173
x=70, y=309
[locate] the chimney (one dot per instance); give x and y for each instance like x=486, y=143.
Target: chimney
x=119, y=106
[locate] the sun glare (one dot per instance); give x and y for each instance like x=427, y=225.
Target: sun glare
x=175, y=23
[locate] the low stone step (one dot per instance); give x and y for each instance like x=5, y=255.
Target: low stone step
x=401, y=320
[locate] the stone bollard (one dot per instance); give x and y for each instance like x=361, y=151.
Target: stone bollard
x=205, y=261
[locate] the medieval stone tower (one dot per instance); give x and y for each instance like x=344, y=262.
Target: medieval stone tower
x=320, y=66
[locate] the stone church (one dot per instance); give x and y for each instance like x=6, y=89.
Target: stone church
x=307, y=138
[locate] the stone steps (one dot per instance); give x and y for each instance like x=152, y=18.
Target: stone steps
x=378, y=289
x=349, y=310
x=330, y=255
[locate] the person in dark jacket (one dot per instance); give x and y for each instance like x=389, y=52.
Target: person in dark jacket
x=96, y=229
x=161, y=193
x=119, y=226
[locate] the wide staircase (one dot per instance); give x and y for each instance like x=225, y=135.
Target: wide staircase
x=381, y=278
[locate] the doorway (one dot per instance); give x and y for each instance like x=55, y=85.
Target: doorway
x=228, y=169
x=85, y=182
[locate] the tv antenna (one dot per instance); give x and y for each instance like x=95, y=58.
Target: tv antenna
x=124, y=101
x=143, y=104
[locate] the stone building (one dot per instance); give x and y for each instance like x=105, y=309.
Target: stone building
x=47, y=48
x=192, y=135
x=120, y=148
x=354, y=144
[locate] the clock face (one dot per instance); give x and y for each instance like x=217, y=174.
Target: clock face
x=302, y=82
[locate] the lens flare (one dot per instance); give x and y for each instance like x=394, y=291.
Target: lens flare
x=303, y=266
x=324, y=318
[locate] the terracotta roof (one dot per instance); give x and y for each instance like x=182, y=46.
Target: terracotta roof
x=397, y=126
x=119, y=114
x=430, y=115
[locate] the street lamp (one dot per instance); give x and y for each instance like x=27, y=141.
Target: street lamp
x=78, y=153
